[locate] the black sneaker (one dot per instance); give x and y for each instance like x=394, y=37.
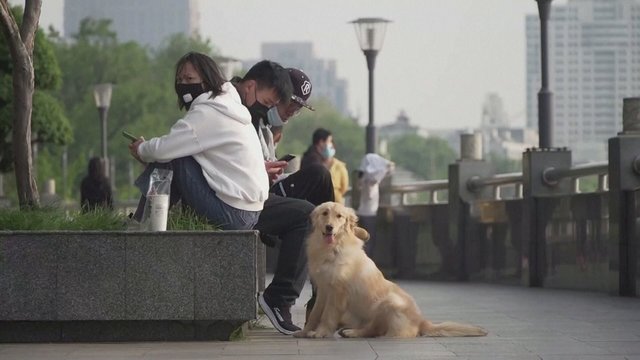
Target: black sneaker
x=280, y=316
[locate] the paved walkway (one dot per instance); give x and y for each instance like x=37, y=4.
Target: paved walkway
x=523, y=324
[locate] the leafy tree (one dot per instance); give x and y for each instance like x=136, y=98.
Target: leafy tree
x=503, y=164
x=427, y=157
x=28, y=113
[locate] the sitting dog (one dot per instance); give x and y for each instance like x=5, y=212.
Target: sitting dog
x=353, y=293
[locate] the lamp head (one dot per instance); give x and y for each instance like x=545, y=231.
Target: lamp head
x=370, y=32
x=102, y=95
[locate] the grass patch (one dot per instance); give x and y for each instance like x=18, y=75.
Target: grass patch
x=258, y=323
x=55, y=219
x=237, y=334
x=45, y=219
x=186, y=219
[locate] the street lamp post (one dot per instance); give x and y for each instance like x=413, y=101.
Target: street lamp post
x=370, y=33
x=102, y=96
x=545, y=96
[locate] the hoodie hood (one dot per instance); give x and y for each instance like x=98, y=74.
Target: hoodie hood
x=228, y=103
x=374, y=167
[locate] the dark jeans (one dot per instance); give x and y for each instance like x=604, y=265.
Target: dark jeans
x=190, y=187
x=369, y=223
x=287, y=219
x=312, y=183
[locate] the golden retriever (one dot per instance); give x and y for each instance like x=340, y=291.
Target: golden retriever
x=353, y=293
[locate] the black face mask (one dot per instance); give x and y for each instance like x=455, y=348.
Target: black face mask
x=258, y=110
x=188, y=93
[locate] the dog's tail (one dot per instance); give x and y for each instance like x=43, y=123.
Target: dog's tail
x=449, y=328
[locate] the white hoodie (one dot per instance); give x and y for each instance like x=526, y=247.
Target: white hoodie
x=374, y=168
x=219, y=135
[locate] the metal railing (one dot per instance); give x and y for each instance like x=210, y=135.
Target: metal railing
x=432, y=187
x=551, y=176
x=497, y=181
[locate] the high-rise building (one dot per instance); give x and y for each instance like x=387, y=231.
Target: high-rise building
x=322, y=73
x=594, y=62
x=498, y=137
x=148, y=22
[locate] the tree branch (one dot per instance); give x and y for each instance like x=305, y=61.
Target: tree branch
x=30, y=23
x=10, y=27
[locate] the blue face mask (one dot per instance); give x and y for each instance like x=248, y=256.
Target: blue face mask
x=328, y=151
x=274, y=117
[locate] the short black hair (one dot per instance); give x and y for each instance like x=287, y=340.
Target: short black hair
x=272, y=75
x=207, y=69
x=320, y=135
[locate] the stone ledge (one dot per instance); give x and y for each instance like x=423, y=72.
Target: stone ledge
x=60, y=282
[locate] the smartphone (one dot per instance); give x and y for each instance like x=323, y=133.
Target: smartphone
x=129, y=136
x=287, y=158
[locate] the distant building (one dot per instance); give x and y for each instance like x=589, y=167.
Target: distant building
x=400, y=127
x=147, y=22
x=322, y=73
x=594, y=62
x=498, y=137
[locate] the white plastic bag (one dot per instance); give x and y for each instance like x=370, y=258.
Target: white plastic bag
x=156, y=209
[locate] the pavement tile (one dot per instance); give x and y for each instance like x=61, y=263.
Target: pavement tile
x=486, y=348
x=241, y=348
x=337, y=347
x=563, y=347
x=410, y=349
x=619, y=347
x=298, y=357
x=523, y=323
x=613, y=335
x=182, y=355
x=500, y=357
x=583, y=357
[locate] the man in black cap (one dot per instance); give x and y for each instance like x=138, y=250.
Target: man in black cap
x=286, y=217
x=312, y=183
x=278, y=116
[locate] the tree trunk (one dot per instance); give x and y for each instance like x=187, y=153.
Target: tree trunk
x=21, y=42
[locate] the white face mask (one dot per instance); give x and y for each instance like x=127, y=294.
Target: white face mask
x=274, y=117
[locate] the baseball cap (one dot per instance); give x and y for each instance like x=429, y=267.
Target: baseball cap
x=301, y=87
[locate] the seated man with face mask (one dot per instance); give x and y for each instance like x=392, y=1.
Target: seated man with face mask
x=312, y=183
x=285, y=217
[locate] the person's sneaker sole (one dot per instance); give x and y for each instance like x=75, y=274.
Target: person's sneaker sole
x=272, y=317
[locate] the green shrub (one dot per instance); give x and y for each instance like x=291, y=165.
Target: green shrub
x=99, y=220
x=186, y=219
x=56, y=219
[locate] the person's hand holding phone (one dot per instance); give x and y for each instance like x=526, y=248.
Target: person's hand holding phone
x=133, y=146
x=287, y=158
x=274, y=168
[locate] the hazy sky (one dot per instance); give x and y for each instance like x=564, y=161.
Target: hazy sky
x=439, y=60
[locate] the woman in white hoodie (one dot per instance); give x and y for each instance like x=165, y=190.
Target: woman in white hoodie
x=215, y=155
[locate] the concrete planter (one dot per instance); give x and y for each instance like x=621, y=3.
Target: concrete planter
x=127, y=286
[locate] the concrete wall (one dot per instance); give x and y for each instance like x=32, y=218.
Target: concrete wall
x=74, y=286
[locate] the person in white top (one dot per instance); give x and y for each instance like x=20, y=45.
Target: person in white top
x=373, y=168
x=215, y=155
